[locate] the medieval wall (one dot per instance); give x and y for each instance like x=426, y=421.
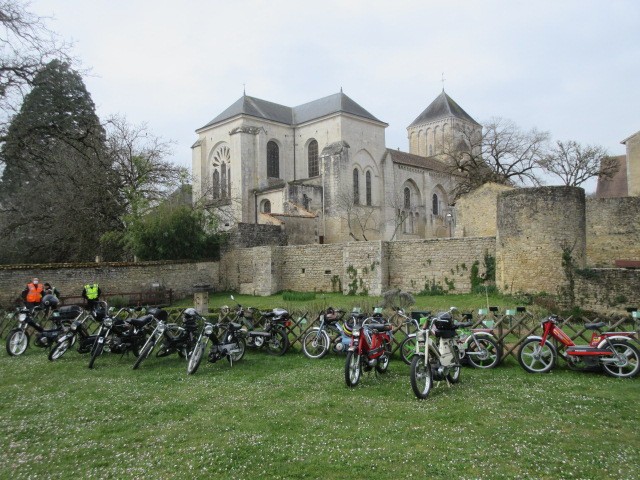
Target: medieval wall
x=69, y=279
x=476, y=212
x=435, y=264
x=613, y=230
x=537, y=229
x=607, y=289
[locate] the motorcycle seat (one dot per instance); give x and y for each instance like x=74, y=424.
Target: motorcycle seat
x=269, y=315
x=594, y=326
x=381, y=327
x=140, y=322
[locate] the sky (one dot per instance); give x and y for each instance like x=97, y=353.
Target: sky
x=571, y=68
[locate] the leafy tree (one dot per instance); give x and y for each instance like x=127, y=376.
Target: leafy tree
x=173, y=232
x=501, y=153
x=26, y=45
x=574, y=163
x=58, y=192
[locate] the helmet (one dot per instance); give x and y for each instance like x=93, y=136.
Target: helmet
x=50, y=301
x=190, y=312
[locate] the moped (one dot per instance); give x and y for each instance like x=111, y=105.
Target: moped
x=370, y=348
x=612, y=351
x=18, y=338
x=330, y=334
x=274, y=333
x=230, y=344
x=436, y=357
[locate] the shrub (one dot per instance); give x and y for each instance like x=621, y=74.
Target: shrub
x=298, y=296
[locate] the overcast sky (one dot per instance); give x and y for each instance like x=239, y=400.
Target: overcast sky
x=568, y=67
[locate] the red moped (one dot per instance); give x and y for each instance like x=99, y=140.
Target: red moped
x=612, y=351
x=370, y=347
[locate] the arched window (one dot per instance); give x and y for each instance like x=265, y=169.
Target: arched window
x=223, y=180
x=356, y=187
x=312, y=152
x=229, y=180
x=266, y=206
x=434, y=206
x=407, y=198
x=367, y=181
x=215, y=188
x=430, y=150
x=273, y=160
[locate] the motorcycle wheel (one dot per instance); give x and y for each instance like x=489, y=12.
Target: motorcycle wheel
x=408, y=349
x=352, y=369
x=17, y=342
x=421, y=377
x=144, y=353
x=483, y=353
x=630, y=368
x=60, y=349
x=278, y=343
x=315, y=343
x=96, y=351
x=240, y=347
x=536, y=359
x=383, y=361
x=453, y=374
x=196, y=358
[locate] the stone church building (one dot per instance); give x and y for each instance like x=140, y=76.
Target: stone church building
x=323, y=169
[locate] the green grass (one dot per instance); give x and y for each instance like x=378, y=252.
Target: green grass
x=289, y=417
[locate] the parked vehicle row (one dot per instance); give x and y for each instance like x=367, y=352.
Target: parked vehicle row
x=435, y=346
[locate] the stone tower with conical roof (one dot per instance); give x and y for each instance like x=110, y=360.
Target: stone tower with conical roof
x=438, y=125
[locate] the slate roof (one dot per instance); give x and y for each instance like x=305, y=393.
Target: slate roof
x=275, y=112
x=617, y=186
x=442, y=107
x=430, y=163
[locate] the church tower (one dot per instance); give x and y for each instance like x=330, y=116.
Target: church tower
x=438, y=126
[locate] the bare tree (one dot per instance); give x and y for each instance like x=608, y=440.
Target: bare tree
x=361, y=219
x=574, y=163
x=502, y=153
x=400, y=214
x=145, y=176
x=26, y=44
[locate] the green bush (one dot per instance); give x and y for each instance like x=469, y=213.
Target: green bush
x=298, y=296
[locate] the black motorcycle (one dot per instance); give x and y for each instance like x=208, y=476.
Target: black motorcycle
x=171, y=337
x=229, y=343
x=18, y=338
x=274, y=333
x=79, y=333
x=121, y=336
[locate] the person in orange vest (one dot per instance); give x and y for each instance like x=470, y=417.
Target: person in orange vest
x=32, y=294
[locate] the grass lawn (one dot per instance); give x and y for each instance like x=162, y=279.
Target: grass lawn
x=289, y=417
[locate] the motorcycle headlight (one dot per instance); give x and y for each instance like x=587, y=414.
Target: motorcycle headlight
x=107, y=322
x=74, y=327
x=22, y=317
x=208, y=330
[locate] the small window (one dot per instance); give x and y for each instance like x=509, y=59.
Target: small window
x=368, y=186
x=223, y=180
x=435, y=202
x=356, y=187
x=314, y=166
x=273, y=160
x=407, y=198
x=266, y=206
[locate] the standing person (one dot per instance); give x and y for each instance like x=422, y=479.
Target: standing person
x=51, y=290
x=91, y=293
x=32, y=294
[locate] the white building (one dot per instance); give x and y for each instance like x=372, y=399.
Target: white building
x=259, y=160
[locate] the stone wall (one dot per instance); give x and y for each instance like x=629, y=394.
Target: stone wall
x=476, y=211
x=443, y=263
x=603, y=289
x=613, y=230
x=248, y=235
x=311, y=268
x=535, y=227
x=112, y=277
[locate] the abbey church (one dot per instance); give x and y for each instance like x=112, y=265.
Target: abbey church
x=323, y=168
